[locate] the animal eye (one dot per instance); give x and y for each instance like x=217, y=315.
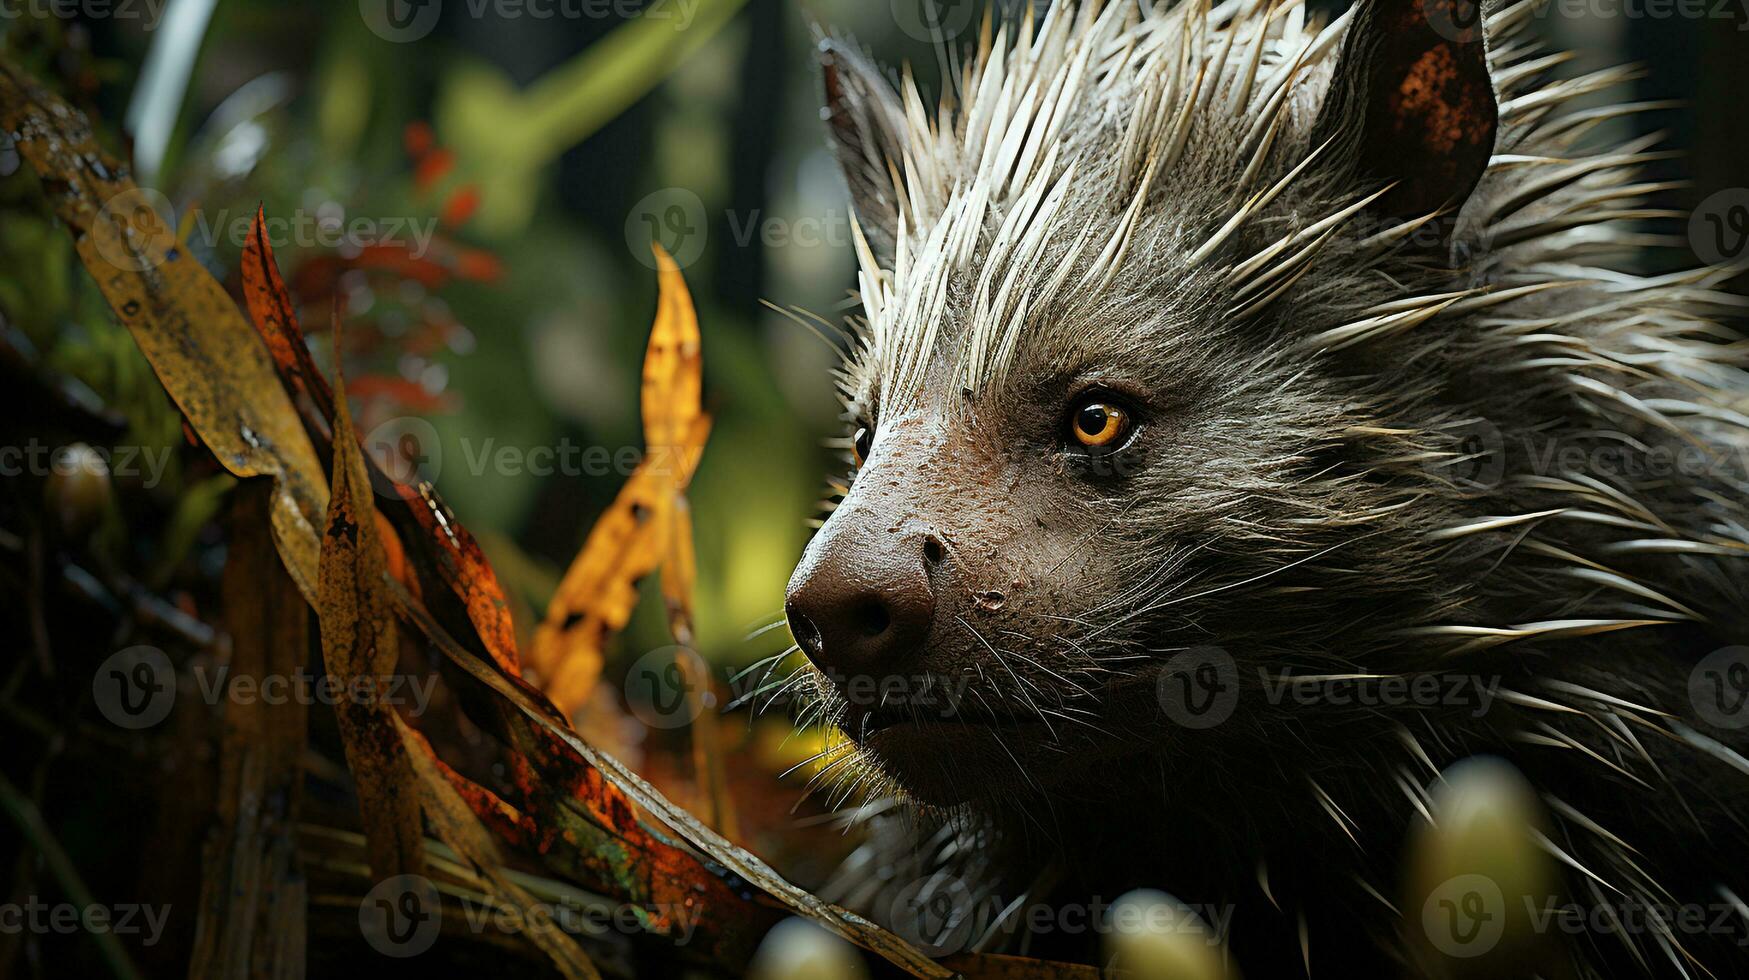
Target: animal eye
x=1098, y=422
x=862, y=444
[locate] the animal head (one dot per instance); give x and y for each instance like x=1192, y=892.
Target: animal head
x=1179, y=333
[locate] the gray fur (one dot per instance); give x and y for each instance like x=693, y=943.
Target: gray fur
x=1371, y=469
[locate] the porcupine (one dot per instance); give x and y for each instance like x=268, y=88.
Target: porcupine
x=1225, y=339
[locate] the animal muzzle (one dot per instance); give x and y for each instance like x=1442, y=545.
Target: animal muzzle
x=862, y=602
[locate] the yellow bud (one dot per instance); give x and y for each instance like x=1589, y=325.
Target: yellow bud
x=1156, y=937
x=1480, y=886
x=796, y=949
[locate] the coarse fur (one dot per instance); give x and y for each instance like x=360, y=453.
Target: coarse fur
x=1468, y=442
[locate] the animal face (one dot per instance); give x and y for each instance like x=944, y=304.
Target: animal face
x=1087, y=437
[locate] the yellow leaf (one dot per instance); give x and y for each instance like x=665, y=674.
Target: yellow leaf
x=640, y=531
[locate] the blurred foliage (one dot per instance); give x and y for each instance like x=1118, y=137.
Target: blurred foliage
x=304, y=110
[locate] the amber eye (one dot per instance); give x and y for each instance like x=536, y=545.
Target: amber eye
x=1099, y=424
x=860, y=446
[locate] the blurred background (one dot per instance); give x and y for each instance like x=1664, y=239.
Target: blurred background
x=475, y=184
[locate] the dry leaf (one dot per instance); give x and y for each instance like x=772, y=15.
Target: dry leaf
x=360, y=647
x=633, y=537
x=188, y=327
x=456, y=560
x=276, y=320
x=750, y=868
x=455, y=823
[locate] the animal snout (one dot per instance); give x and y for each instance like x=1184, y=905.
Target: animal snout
x=863, y=602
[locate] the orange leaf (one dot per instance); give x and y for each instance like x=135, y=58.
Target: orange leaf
x=639, y=532
x=463, y=566
x=276, y=319
x=599, y=591
x=455, y=823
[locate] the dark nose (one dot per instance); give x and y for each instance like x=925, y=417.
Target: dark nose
x=862, y=603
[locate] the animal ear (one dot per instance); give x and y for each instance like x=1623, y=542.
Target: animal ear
x=1413, y=104
x=867, y=128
